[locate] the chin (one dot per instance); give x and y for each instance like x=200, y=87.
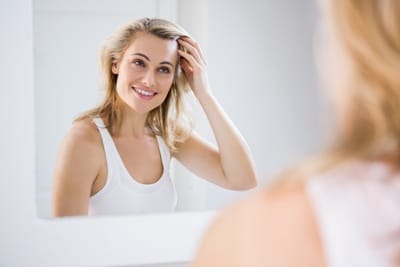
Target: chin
x=143, y=110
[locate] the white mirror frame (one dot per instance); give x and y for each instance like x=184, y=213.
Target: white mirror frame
x=27, y=240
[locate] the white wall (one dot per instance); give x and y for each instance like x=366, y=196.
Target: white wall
x=261, y=67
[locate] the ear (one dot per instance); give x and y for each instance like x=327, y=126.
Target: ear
x=115, y=68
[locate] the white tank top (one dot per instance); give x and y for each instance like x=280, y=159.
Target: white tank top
x=357, y=209
x=122, y=194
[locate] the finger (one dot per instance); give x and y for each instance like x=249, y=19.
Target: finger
x=189, y=58
x=195, y=45
x=191, y=50
x=185, y=66
x=190, y=40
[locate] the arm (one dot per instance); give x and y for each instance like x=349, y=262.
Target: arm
x=76, y=168
x=229, y=166
x=265, y=229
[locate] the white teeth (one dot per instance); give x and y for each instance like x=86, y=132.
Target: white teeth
x=143, y=92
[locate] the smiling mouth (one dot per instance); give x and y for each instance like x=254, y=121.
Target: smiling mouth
x=143, y=92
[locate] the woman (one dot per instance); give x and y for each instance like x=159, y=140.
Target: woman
x=343, y=207
x=115, y=158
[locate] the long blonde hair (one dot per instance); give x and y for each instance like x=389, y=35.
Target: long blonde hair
x=168, y=120
x=369, y=31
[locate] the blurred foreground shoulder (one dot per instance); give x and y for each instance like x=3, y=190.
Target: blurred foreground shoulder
x=268, y=228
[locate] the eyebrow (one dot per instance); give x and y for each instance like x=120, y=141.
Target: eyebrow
x=148, y=59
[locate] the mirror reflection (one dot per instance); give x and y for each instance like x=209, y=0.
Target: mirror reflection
x=105, y=138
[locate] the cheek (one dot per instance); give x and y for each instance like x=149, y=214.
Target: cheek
x=166, y=83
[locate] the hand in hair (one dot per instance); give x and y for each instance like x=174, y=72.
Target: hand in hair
x=194, y=66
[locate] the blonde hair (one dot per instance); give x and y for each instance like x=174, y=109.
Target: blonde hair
x=370, y=32
x=168, y=120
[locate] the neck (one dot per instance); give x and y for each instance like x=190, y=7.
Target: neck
x=133, y=125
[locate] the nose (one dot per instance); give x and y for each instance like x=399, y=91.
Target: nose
x=148, y=79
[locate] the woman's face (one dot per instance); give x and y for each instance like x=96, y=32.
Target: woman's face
x=146, y=72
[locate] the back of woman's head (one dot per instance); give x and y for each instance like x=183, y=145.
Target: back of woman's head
x=369, y=31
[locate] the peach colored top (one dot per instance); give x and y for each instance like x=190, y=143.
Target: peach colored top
x=357, y=209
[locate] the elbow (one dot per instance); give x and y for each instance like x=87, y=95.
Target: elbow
x=248, y=177
x=251, y=180
x=245, y=183
x=251, y=183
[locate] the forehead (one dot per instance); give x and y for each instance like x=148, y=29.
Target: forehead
x=156, y=48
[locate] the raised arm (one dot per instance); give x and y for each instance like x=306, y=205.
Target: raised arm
x=230, y=165
x=76, y=168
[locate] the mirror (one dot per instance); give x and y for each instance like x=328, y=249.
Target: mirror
x=267, y=48
x=260, y=68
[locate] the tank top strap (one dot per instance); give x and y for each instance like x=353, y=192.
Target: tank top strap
x=108, y=145
x=105, y=135
x=164, y=151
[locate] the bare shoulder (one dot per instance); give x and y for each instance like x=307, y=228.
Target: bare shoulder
x=83, y=134
x=84, y=131
x=268, y=228
x=82, y=141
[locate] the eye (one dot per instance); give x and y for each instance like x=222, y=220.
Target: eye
x=138, y=62
x=164, y=70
